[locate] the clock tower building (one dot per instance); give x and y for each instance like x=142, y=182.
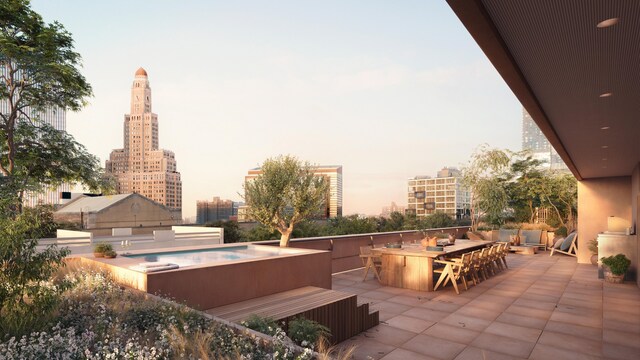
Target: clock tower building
x=141, y=166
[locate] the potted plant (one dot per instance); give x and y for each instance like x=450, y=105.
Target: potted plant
x=101, y=248
x=615, y=267
x=110, y=254
x=593, y=248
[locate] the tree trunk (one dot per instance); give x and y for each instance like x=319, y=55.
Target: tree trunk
x=286, y=235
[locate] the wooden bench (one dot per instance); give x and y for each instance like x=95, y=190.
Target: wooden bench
x=338, y=311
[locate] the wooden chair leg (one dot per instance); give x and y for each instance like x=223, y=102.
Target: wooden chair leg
x=376, y=271
x=367, y=267
x=443, y=275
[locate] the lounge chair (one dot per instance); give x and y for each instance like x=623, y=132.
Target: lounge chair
x=533, y=238
x=567, y=246
x=504, y=235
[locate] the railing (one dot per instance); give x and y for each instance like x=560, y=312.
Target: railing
x=345, y=249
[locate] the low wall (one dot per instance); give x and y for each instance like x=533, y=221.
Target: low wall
x=73, y=235
x=215, y=235
x=121, y=232
x=164, y=235
x=345, y=249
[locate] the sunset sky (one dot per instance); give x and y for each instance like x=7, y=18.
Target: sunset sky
x=389, y=90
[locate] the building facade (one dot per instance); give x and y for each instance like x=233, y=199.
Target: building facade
x=534, y=140
x=215, y=210
x=141, y=166
x=443, y=193
x=333, y=207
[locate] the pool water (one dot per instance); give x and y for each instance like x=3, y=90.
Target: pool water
x=205, y=256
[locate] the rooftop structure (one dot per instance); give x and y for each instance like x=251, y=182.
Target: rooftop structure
x=216, y=209
x=533, y=140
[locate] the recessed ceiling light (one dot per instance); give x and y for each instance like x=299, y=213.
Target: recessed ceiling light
x=606, y=23
x=604, y=159
x=605, y=146
x=605, y=128
x=604, y=167
x=607, y=94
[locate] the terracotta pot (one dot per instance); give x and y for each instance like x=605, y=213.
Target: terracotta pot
x=98, y=255
x=110, y=256
x=611, y=277
x=594, y=259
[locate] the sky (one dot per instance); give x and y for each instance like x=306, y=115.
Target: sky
x=387, y=89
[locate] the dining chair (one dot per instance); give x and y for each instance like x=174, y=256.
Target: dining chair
x=370, y=261
x=453, y=271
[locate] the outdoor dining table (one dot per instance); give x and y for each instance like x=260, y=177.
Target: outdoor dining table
x=411, y=267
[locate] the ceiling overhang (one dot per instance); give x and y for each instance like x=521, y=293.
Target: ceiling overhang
x=557, y=62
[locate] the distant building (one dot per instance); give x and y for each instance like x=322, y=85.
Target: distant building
x=333, y=207
x=208, y=211
x=534, y=140
x=123, y=210
x=53, y=116
x=444, y=193
x=141, y=166
x=387, y=210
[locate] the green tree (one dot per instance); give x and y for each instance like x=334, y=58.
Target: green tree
x=27, y=294
x=484, y=176
x=39, y=72
x=232, y=232
x=284, y=194
x=395, y=222
x=352, y=224
x=560, y=192
x=259, y=233
x=438, y=219
x=525, y=186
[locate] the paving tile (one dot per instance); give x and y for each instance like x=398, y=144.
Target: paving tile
x=520, y=320
x=540, y=305
x=367, y=349
x=390, y=307
x=505, y=345
x=389, y=335
x=478, y=312
x=571, y=342
x=402, y=354
x=628, y=325
x=438, y=305
x=426, y=314
x=594, y=321
x=407, y=300
x=514, y=331
x=409, y=323
x=466, y=322
x=529, y=312
x=434, y=347
x=452, y=333
x=621, y=338
x=378, y=295
x=474, y=353
x=572, y=329
x=616, y=351
x=546, y=352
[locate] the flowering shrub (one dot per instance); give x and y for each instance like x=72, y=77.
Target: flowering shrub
x=97, y=319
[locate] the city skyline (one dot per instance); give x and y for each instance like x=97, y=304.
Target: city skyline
x=372, y=86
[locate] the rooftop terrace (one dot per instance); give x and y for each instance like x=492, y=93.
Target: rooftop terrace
x=542, y=307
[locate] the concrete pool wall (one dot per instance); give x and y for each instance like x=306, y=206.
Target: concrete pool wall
x=211, y=285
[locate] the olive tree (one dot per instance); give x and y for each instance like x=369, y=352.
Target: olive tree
x=484, y=176
x=39, y=73
x=284, y=194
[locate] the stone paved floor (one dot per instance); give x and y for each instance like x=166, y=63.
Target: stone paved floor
x=542, y=307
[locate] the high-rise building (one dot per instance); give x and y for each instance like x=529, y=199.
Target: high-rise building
x=141, y=166
x=534, y=140
x=333, y=173
x=387, y=210
x=444, y=193
x=53, y=116
x=217, y=209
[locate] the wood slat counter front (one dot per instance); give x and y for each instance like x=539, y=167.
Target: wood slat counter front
x=412, y=267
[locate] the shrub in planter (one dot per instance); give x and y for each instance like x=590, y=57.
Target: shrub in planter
x=615, y=267
x=593, y=248
x=265, y=325
x=101, y=248
x=110, y=254
x=307, y=332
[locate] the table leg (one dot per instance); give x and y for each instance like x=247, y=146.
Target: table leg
x=429, y=274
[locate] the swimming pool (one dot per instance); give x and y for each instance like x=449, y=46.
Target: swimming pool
x=206, y=256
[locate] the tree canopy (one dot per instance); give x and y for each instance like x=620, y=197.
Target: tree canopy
x=39, y=74
x=284, y=194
